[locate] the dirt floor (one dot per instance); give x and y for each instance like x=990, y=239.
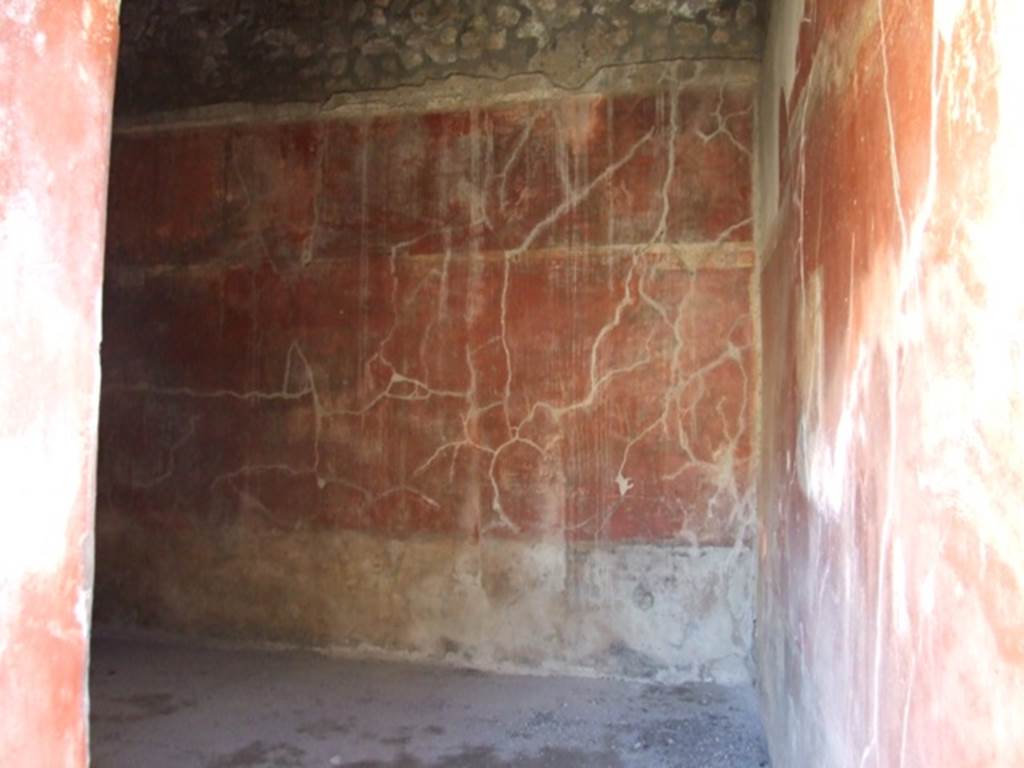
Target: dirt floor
x=160, y=703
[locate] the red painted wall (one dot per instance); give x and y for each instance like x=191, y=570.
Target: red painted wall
x=891, y=598
x=56, y=81
x=525, y=321
x=349, y=312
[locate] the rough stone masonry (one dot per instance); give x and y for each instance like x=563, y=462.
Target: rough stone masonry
x=195, y=52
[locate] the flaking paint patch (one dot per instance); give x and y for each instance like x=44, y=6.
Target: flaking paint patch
x=42, y=462
x=20, y=11
x=812, y=448
x=947, y=12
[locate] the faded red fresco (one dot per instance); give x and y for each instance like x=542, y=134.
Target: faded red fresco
x=523, y=323
x=56, y=81
x=891, y=605
x=519, y=321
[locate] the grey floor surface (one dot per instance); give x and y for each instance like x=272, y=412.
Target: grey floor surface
x=157, y=703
